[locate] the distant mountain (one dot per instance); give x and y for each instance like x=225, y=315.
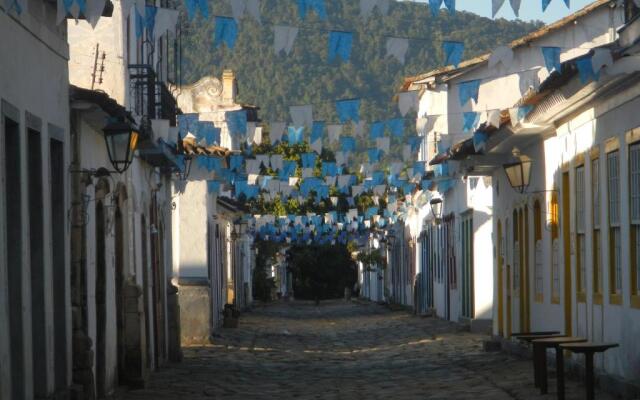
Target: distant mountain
x=275, y=82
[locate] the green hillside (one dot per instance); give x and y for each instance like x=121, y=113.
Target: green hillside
x=274, y=82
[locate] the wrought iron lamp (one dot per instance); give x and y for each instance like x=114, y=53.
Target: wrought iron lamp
x=436, y=208
x=121, y=138
x=519, y=172
x=183, y=173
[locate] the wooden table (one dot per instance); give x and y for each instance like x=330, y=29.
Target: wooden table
x=529, y=337
x=540, y=347
x=543, y=333
x=589, y=349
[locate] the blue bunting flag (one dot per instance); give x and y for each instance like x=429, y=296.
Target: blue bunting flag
x=374, y=155
x=585, y=70
x=451, y=6
x=304, y=6
x=226, y=31
x=235, y=162
x=347, y=144
x=213, y=187
x=551, y=57
x=523, y=111
x=329, y=169
x=308, y=160
x=470, y=120
x=237, y=122
x=348, y=110
x=317, y=131
x=288, y=170
x=377, y=130
x=419, y=168
x=414, y=142
x=396, y=127
x=188, y=123
x=295, y=135
x=468, y=90
x=452, y=52
x=194, y=5
x=209, y=133
x=435, y=5
x=340, y=44
x=480, y=141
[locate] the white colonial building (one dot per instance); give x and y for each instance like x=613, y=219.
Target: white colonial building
x=213, y=254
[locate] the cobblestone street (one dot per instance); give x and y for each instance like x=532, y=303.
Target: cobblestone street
x=345, y=351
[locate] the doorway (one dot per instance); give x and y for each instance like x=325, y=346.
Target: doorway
x=101, y=302
x=499, y=277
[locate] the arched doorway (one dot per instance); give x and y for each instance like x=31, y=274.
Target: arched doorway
x=119, y=278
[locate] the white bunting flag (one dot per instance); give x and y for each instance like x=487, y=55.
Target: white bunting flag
x=501, y=55
x=383, y=144
x=276, y=162
x=397, y=48
x=408, y=101
x=276, y=131
x=284, y=38
x=302, y=115
x=334, y=133
x=495, y=6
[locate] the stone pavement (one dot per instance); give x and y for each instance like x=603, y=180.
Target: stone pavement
x=345, y=351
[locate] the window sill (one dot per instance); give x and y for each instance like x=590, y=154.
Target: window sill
x=615, y=299
x=597, y=298
x=635, y=301
x=582, y=297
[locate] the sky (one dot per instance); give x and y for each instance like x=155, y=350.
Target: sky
x=530, y=9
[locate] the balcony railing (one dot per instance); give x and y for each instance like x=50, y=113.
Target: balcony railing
x=150, y=97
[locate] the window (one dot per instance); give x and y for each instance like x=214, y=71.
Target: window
x=613, y=193
x=634, y=206
x=580, y=234
x=537, y=228
x=596, y=249
x=555, y=249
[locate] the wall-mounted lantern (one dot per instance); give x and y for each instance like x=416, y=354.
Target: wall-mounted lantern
x=121, y=138
x=519, y=172
x=436, y=208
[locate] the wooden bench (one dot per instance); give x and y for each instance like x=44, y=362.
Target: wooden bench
x=540, y=347
x=588, y=349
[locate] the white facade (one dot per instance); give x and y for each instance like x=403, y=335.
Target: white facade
x=213, y=254
x=123, y=228
x=574, y=163
x=35, y=322
x=462, y=283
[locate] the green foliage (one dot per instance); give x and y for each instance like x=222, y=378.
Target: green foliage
x=274, y=82
x=321, y=272
x=371, y=259
x=265, y=257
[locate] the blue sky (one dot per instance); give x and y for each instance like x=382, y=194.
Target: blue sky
x=530, y=9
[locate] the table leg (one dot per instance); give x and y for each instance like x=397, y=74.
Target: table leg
x=560, y=372
x=536, y=366
x=589, y=375
x=542, y=364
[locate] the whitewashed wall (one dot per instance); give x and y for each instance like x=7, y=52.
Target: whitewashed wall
x=34, y=79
